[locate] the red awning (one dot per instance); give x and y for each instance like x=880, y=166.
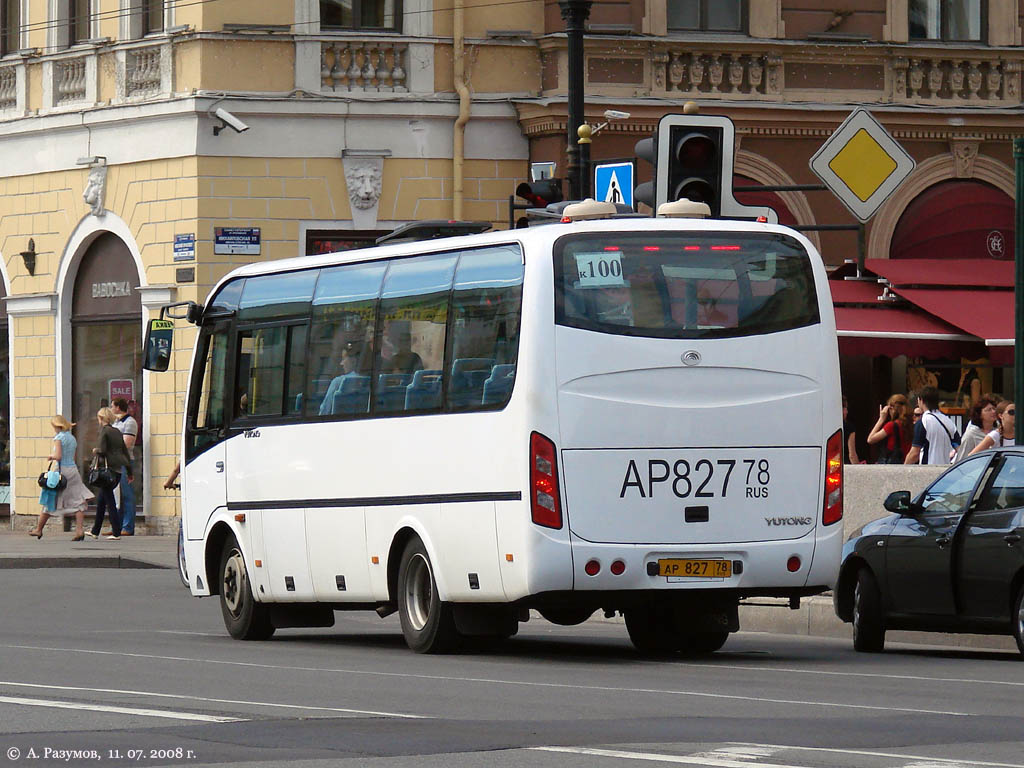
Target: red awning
x=983, y=273
x=854, y=291
x=986, y=314
x=891, y=331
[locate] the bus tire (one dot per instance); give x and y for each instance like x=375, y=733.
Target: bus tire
x=182, y=567
x=704, y=642
x=428, y=624
x=244, y=618
x=651, y=629
x=868, y=623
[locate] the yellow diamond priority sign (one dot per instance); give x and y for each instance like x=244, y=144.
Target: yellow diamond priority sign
x=862, y=164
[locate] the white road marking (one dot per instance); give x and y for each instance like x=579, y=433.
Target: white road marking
x=495, y=681
x=945, y=762
x=830, y=673
x=155, y=694
x=119, y=710
x=704, y=758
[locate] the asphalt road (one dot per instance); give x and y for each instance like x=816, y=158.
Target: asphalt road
x=116, y=667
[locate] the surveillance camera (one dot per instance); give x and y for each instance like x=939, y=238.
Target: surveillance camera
x=228, y=120
x=614, y=114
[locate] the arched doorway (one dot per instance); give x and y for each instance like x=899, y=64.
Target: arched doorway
x=957, y=219
x=106, y=342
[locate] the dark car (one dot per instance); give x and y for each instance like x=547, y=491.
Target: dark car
x=950, y=560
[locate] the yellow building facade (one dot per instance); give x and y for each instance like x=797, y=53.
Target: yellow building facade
x=151, y=146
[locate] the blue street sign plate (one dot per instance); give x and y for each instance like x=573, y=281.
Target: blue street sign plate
x=614, y=182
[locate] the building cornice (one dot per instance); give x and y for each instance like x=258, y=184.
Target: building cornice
x=27, y=304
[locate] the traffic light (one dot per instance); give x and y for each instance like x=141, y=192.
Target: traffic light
x=540, y=193
x=695, y=161
x=647, y=150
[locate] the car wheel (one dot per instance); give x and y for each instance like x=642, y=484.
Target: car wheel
x=1018, y=619
x=244, y=618
x=427, y=622
x=868, y=623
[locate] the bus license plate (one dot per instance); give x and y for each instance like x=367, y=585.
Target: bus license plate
x=695, y=569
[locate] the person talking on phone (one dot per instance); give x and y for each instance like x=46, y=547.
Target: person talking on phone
x=895, y=428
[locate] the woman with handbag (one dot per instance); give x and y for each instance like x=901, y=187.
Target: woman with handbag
x=105, y=474
x=72, y=495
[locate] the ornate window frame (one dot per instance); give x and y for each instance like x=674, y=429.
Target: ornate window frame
x=1002, y=25
x=764, y=18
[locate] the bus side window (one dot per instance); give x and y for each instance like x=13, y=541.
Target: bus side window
x=341, y=340
x=411, y=341
x=486, y=308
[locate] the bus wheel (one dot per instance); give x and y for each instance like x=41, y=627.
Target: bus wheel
x=703, y=642
x=244, y=618
x=868, y=624
x=651, y=629
x=182, y=568
x=427, y=623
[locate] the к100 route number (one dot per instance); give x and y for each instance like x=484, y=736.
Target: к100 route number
x=700, y=479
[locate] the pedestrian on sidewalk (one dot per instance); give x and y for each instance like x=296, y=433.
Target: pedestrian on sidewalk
x=982, y=422
x=935, y=436
x=1005, y=431
x=129, y=429
x=894, y=428
x=111, y=448
x=74, y=497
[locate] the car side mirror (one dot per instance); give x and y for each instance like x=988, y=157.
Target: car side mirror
x=898, y=502
x=159, y=336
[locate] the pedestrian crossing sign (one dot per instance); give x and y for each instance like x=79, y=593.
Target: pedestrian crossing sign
x=613, y=182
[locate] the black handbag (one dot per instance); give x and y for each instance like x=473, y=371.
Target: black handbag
x=103, y=477
x=61, y=484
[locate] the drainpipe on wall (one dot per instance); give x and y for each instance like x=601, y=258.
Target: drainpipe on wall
x=459, y=75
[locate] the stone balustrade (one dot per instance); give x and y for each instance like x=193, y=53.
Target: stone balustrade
x=142, y=72
x=364, y=65
x=69, y=80
x=8, y=88
x=735, y=75
x=945, y=80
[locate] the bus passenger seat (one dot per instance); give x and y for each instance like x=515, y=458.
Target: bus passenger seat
x=424, y=392
x=391, y=391
x=353, y=396
x=499, y=384
x=467, y=384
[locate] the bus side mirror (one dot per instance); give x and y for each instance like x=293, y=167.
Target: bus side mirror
x=159, y=334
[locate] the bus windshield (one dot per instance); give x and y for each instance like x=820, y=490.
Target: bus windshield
x=683, y=284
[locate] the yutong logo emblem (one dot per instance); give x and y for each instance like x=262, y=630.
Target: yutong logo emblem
x=787, y=521
x=691, y=358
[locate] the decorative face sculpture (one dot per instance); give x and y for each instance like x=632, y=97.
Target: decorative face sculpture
x=364, y=185
x=93, y=193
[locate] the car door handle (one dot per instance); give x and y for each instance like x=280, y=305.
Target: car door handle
x=220, y=466
x=942, y=541
x=1011, y=538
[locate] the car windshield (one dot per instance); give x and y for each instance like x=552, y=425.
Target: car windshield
x=684, y=284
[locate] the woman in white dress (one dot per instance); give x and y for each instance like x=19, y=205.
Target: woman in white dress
x=74, y=497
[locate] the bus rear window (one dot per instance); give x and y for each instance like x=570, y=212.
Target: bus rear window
x=684, y=285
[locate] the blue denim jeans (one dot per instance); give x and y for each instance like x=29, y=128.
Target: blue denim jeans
x=127, y=503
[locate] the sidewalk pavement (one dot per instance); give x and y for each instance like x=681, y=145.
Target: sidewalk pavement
x=815, y=616
x=56, y=550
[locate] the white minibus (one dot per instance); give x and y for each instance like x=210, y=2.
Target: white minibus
x=627, y=415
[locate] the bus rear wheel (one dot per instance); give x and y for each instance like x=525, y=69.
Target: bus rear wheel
x=428, y=624
x=660, y=629
x=244, y=618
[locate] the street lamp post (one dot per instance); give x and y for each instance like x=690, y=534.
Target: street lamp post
x=575, y=13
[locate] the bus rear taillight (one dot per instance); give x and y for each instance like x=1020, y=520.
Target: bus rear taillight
x=833, y=506
x=544, y=506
